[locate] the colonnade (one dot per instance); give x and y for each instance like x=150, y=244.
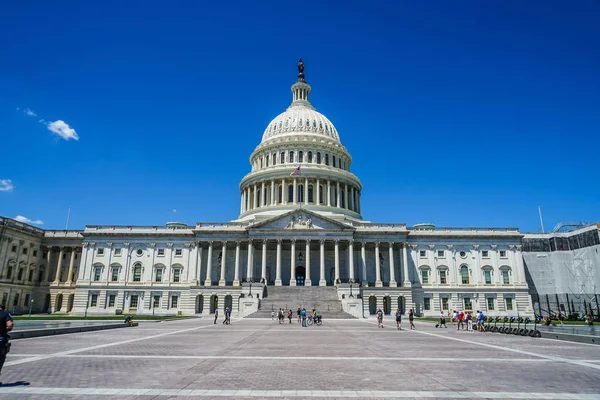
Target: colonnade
x=59, y=264
x=305, y=244
x=298, y=190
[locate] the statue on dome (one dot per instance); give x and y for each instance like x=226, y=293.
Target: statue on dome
x=301, y=70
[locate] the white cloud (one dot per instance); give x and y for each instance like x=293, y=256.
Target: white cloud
x=6, y=185
x=62, y=129
x=26, y=220
x=29, y=112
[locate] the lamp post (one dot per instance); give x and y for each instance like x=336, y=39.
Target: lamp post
x=30, y=307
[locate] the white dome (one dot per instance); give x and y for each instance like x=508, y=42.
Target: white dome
x=300, y=119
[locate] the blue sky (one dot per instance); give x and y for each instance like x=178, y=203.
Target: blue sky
x=460, y=114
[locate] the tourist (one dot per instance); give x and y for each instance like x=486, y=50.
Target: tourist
x=398, y=319
x=273, y=315
x=460, y=318
x=480, y=319
x=411, y=317
x=315, y=316
x=589, y=319
x=280, y=316
x=469, y=319
x=303, y=314
x=379, y=314
x=6, y=325
x=290, y=314
x=443, y=320
x=559, y=317
x=454, y=319
x=299, y=313
x=216, y=315
x=227, y=320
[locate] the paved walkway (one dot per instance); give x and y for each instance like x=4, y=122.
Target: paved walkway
x=255, y=358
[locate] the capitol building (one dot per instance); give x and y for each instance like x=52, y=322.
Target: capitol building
x=300, y=224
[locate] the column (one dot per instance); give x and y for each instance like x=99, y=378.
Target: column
x=199, y=264
x=58, y=266
x=47, y=268
x=249, y=266
x=521, y=265
x=208, y=280
x=405, y=265
x=339, y=195
x=378, y=282
x=392, y=272
x=283, y=191
x=71, y=265
x=263, y=198
x=255, y=204
x=351, y=260
x=318, y=193
x=223, y=264
x=328, y=193
x=293, y=262
x=236, y=272
x=307, y=281
x=322, y=280
x=363, y=263
x=263, y=270
x=278, y=270
x=306, y=190
x=295, y=193
x=337, y=260
x=352, y=198
x=346, y=201
x=242, y=203
x=273, y=198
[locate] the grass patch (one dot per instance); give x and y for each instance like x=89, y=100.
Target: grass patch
x=97, y=317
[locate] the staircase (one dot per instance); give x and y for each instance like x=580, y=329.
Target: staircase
x=323, y=298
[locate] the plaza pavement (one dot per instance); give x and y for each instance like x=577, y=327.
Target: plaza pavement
x=256, y=358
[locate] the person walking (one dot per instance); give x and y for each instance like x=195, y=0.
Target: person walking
x=290, y=314
x=227, y=320
x=411, y=317
x=379, y=314
x=6, y=325
x=303, y=314
x=299, y=314
x=216, y=315
x=273, y=315
x=443, y=320
x=399, y=319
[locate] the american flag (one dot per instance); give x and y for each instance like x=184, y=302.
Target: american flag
x=295, y=172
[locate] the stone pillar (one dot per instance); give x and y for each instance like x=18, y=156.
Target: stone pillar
x=363, y=263
x=58, y=267
x=339, y=195
x=307, y=281
x=199, y=264
x=322, y=280
x=236, y=272
x=351, y=202
x=223, y=264
x=46, y=276
x=242, y=204
x=337, y=261
x=278, y=270
x=378, y=282
x=406, y=282
x=263, y=198
x=208, y=280
x=328, y=193
x=249, y=266
x=263, y=270
x=351, y=260
x=393, y=282
x=318, y=200
x=273, y=198
x=283, y=191
x=295, y=192
x=255, y=197
x=306, y=190
x=71, y=266
x=293, y=263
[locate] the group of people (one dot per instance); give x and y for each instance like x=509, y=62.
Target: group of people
x=462, y=319
x=411, y=318
x=301, y=314
x=227, y=320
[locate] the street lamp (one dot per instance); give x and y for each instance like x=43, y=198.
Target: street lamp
x=30, y=307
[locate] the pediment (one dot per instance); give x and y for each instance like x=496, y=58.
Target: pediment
x=300, y=220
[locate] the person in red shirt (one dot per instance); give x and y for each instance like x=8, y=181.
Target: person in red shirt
x=461, y=319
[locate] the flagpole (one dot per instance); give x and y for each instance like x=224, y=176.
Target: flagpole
x=68, y=216
x=541, y=220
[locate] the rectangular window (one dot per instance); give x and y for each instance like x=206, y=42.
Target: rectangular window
x=97, y=272
x=13, y=248
x=488, y=276
x=26, y=301
x=178, y=252
x=425, y=276
x=25, y=250
x=158, y=275
x=445, y=303
x=503, y=253
x=115, y=274
x=427, y=303
x=35, y=253
x=484, y=253
x=468, y=305
x=490, y=303
x=509, y=304
x=443, y=277
x=161, y=252
x=174, y=301
x=505, y=278
x=133, y=301
x=137, y=274
x=440, y=253
x=156, y=302
x=20, y=274
x=117, y=251
x=100, y=251
x=94, y=300
x=111, y=300
x=16, y=300
x=30, y=276
x=422, y=253
x=176, y=275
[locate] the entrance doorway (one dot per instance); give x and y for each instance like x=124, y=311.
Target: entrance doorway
x=300, y=275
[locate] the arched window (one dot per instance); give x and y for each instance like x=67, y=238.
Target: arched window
x=261, y=162
x=274, y=158
x=291, y=156
x=464, y=275
x=424, y=272
x=282, y=160
x=332, y=161
x=343, y=198
x=326, y=159
x=290, y=193
x=279, y=194
x=309, y=155
x=315, y=124
x=487, y=274
x=300, y=156
x=300, y=193
x=505, y=272
x=137, y=272
x=321, y=194
x=300, y=123
x=310, y=194
x=318, y=158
